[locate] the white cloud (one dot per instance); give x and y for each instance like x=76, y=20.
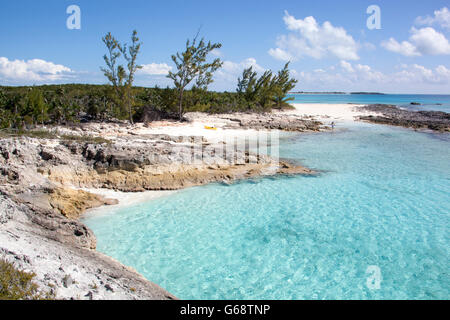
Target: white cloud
x=216, y=52
x=359, y=77
x=226, y=77
x=155, y=69
x=236, y=68
x=441, y=18
x=347, y=66
x=309, y=38
x=280, y=54
x=32, y=70
x=361, y=72
x=405, y=48
x=350, y=76
x=429, y=41
x=419, y=74
x=422, y=41
x=443, y=72
x=366, y=73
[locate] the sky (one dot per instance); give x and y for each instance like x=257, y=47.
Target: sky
x=330, y=44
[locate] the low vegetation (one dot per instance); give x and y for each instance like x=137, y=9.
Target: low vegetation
x=16, y=284
x=48, y=134
x=25, y=108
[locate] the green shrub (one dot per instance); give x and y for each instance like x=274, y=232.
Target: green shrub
x=45, y=134
x=18, y=285
x=27, y=107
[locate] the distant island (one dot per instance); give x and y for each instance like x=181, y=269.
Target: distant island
x=336, y=92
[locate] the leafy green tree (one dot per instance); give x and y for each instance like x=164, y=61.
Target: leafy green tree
x=37, y=106
x=256, y=91
x=246, y=84
x=3, y=99
x=6, y=118
x=16, y=105
x=265, y=88
x=283, y=84
x=263, y=92
x=60, y=107
x=191, y=64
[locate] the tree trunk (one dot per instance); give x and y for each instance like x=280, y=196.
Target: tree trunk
x=128, y=97
x=180, y=107
x=130, y=114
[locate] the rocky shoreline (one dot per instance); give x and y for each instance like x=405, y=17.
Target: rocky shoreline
x=41, y=197
x=392, y=115
x=266, y=121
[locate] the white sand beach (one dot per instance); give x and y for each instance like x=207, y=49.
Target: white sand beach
x=325, y=113
x=226, y=128
x=125, y=198
x=329, y=112
x=196, y=128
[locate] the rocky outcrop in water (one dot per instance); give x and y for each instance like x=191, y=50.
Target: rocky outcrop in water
x=392, y=115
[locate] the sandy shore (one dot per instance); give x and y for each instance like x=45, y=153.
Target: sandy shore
x=326, y=113
x=125, y=199
x=195, y=128
x=226, y=126
x=329, y=112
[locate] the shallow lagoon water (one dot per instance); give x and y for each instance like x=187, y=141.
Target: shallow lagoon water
x=382, y=199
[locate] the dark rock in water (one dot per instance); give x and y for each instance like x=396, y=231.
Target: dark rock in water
x=392, y=115
x=415, y=103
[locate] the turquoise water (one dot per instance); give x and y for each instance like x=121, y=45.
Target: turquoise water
x=428, y=102
x=382, y=199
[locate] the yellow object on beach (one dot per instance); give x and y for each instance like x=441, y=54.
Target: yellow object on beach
x=210, y=128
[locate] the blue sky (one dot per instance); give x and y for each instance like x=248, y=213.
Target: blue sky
x=328, y=42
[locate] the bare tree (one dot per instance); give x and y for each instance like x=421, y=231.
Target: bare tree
x=120, y=78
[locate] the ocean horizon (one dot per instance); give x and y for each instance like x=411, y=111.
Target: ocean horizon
x=426, y=102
